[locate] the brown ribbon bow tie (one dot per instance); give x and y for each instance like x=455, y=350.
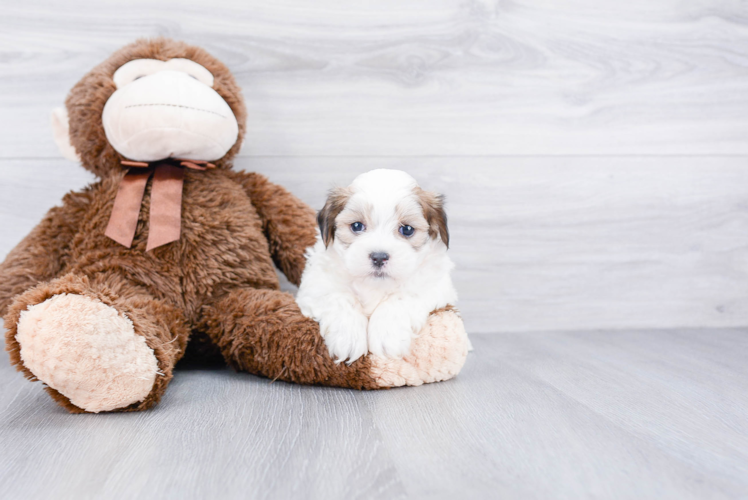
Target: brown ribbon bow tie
x=166, y=201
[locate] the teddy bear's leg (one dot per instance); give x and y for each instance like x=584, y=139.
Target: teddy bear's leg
x=263, y=332
x=98, y=344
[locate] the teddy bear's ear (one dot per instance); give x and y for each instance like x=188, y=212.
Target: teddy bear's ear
x=61, y=133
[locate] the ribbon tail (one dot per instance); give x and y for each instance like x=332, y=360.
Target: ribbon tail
x=124, y=219
x=166, y=206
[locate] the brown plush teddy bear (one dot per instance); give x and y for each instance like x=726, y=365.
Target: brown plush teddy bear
x=171, y=246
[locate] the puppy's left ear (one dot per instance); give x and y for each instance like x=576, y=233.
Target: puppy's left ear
x=335, y=204
x=433, y=209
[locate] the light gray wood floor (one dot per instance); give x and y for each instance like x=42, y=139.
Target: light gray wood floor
x=629, y=414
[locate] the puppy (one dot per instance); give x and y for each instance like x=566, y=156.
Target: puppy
x=379, y=267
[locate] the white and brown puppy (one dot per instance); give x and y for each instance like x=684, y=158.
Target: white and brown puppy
x=380, y=265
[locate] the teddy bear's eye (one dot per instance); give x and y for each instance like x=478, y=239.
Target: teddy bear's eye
x=357, y=227
x=407, y=230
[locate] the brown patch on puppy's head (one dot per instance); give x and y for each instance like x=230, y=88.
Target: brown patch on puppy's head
x=336, y=201
x=433, y=210
x=85, y=103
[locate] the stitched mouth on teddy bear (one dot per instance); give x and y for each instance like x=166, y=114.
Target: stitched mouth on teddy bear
x=175, y=106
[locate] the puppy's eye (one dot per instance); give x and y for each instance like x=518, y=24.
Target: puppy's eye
x=407, y=231
x=357, y=227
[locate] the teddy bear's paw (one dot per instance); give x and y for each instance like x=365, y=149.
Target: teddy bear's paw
x=87, y=351
x=437, y=353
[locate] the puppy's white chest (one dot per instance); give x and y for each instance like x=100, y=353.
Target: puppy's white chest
x=370, y=297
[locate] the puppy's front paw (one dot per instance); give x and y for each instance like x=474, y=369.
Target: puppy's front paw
x=345, y=336
x=390, y=332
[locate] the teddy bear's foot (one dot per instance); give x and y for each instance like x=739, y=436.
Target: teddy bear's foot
x=438, y=353
x=264, y=332
x=87, y=351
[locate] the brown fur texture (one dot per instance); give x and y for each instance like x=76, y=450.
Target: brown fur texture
x=217, y=283
x=436, y=216
x=336, y=201
x=254, y=328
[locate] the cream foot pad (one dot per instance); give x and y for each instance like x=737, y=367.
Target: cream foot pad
x=86, y=351
x=437, y=354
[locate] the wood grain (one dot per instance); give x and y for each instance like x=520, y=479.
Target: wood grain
x=626, y=414
x=421, y=77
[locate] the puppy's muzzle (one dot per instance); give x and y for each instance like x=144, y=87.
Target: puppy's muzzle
x=379, y=258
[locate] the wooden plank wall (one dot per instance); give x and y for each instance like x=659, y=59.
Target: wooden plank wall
x=594, y=152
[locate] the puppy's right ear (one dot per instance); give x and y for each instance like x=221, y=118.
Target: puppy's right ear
x=336, y=201
x=433, y=210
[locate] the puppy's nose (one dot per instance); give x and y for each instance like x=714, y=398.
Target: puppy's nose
x=379, y=258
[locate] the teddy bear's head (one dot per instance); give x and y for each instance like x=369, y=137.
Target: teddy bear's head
x=151, y=100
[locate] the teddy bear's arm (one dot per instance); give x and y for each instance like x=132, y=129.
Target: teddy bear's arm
x=41, y=255
x=289, y=223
